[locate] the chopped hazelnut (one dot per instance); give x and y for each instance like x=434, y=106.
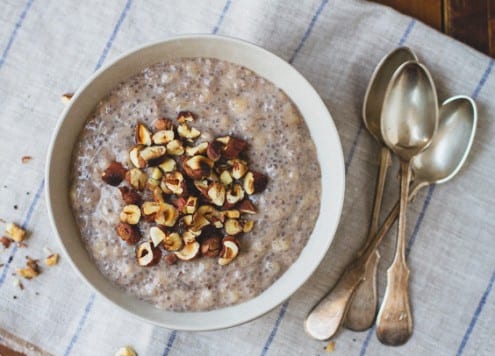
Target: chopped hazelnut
x=255, y=182
x=163, y=137
x=168, y=165
x=197, y=150
x=128, y=233
x=175, y=148
x=211, y=246
x=147, y=255
x=246, y=207
x=130, y=196
x=197, y=167
x=185, y=116
x=214, y=151
x=232, y=227
x=51, y=260
x=15, y=232
x=239, y=168
x=130, y=214
x=142, y=135
x=175, y=182
x=171, y=259
x=152, y=154
x=216, y=193
x=136, y=178
x=187, y=132
x=234, y=147
x=235, y=194
x=135, y=156
x=172, y=242
x=163, y=124
x=229, y=252
x=226, y=178
x=189, y=251
x=114, y=174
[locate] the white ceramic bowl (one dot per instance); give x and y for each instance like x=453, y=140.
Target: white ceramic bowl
x=265, y=64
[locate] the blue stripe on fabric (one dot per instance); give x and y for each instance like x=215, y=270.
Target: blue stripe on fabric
x=13, y=35
x=367, y=341
x=102, y=58
x=24, y=225
x=489, y=288
x=170, y=342
x=222, y=15
x=483, y=80
x=116, y=29
x=409, y=28
x=82, y=321
x=431, y=189
x=309, y=29
x=281, y=315
x=421, y=216
x=476, y=315
x=350, y=156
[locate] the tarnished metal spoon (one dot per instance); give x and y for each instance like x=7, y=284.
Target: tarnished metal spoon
x=409, y=121
x=362, y=309
x=438, y=163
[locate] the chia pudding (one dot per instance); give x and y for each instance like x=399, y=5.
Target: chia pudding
x=227, y=99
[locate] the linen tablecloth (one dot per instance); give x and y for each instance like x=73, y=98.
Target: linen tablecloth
x=50, y=47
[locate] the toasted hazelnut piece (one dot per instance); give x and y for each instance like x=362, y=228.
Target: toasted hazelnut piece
x=189, y=251
x=130, y=196
x=197, y=150
x=171, y=259
x=223, y=139
x=128, y=233
x=27, y=272
x=168, y=165
x=167, y=216
x=125, y=351
x=229, y=252
x=152, y=183
x=232, y=227
x=157, y=235
x=147, y=255
x=214, y=151
x=247, y=226
x=189, y=236
x=175, y=148
x=51, y=260
x=15, y=232
x=199, y=222
x=239, y=168
x=197, y=167
x=202, y=187
x=5, y=241
x=191, y=205
x=187, y=132
x=66, y=97
x=142, y=135
x=172, y=242
x=156, y=173
x=217, y=223
x=158, y=195
x=226, y=178
x=136, y=178
x=179, y=203
x=254, y=182
x=211, y=214
x=151, y=207
x=135, y=156
x=130, y=214
x=175, y=182
x=163, y=124
x=211, y=246
x=246, y=207
x=185, y=116
x=114, y=174
x=235, y=194
x=163, y=136
x=164, y=188
x=187, y=219
x=152, y=154
x=30, y=271
x=216, y=193
x=234, y=147
x=232, y=214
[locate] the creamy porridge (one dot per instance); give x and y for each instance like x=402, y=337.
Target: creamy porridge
x=226, y=99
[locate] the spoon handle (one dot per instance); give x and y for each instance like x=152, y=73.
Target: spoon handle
x=394, y=322
x=324, y=320
x=362, y=310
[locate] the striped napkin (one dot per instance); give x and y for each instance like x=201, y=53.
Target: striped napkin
x=50, y=47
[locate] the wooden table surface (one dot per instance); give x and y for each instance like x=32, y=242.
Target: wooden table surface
x=469, y=21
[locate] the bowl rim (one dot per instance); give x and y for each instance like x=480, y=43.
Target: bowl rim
x=338, y=199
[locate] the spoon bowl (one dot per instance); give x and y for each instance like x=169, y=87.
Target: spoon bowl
x=410, y=104
x=448, y=150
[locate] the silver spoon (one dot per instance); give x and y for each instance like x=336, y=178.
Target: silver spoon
x=362, y=309
x=439, y=163
x=409, y=121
